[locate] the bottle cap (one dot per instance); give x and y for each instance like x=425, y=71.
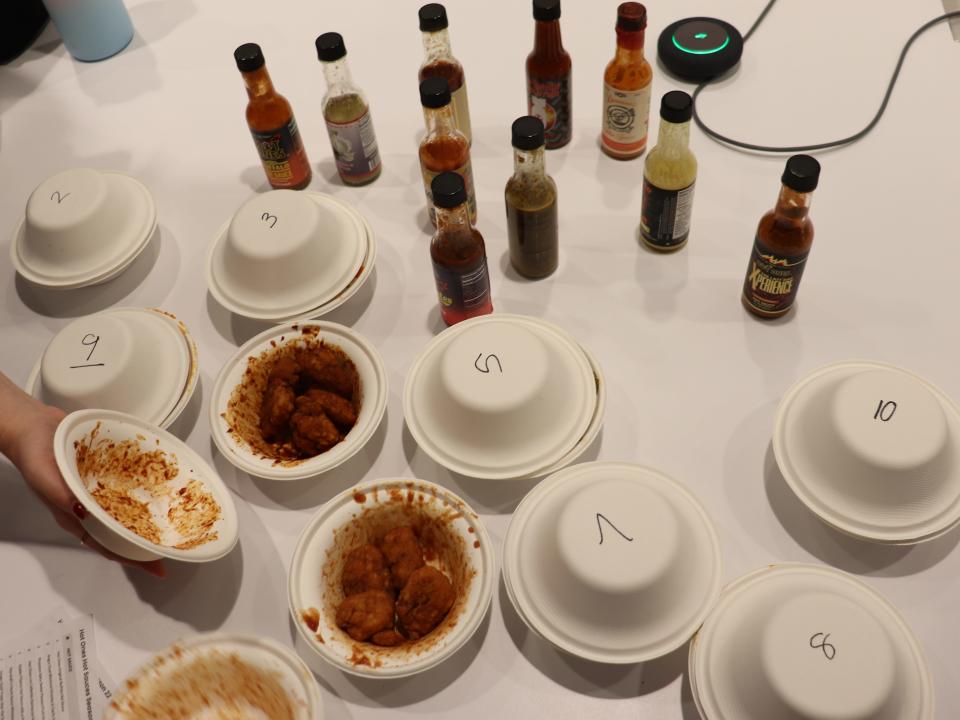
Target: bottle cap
x=448, y=190
x=434, y=92
x=330, y=47
x=676, y=107
x=249, y=57
x=527, y=133
x=801, y=173
x=631, y=16
x=433, y=16
x=546, y=9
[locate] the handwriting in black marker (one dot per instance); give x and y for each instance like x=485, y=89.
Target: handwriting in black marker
x=486, y=363
x=60, y=198
x=600, y=527
x=94, y=340
x=74, y=367
x=882, y=408
x=829, y=650
x=267, y=217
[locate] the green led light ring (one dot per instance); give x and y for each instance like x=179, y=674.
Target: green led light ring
x=726, y=41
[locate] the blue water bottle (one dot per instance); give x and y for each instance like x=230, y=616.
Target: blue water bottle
x=91, y=29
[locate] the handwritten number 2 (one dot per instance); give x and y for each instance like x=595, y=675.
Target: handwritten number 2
x=829, y=650
x=600, y=528
x=60, y=198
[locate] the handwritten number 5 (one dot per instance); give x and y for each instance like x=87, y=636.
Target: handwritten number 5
x=486, y=364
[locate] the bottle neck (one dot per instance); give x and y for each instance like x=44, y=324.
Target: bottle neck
x=529, y=163
x=673, y=139
x=630, y=45
x=792, y=207
x=439, y=121
x=337, y=74
x=258, y=82
x=546, y=39
x=436, y=45
x=453, y=220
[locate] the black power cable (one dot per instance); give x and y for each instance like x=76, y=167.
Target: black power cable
x=818, y=146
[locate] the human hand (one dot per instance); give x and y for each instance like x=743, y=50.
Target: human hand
x=26, y=437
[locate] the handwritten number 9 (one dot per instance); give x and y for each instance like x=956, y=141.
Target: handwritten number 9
x=90, y=340
x=882, y=413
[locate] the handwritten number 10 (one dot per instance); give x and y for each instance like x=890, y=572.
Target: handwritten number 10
x=885, y=411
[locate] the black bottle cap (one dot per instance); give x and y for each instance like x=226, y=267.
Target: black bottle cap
x=435, y=92
x=527, y=133
x=448, y=190
x=433, y=16
x=801, y=173
x=546, y=9
x=330, y=47
x=676, y=107
x=249, y=57
x=631, y=16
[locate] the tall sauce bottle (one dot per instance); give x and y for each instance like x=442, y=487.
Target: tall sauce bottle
x=549, y=91
x=531, y=200
x=626, y=87
x=440, y=62
x=347, y=114
x=783, y=241
x=272, y=124
x=669, y=174
x=458, y=253
x=444, y=148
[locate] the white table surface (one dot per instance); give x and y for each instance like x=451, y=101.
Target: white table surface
x=693, y=380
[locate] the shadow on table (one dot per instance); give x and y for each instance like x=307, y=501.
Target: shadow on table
x=687, y=705
x=593, y=679
x=399, y=692
x=184, y=425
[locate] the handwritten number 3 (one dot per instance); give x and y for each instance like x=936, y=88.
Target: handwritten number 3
x=829, y=651
x=267, y=217
x=486, y=364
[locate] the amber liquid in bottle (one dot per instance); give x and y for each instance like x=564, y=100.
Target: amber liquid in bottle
x=549, y=91
x=445, y=149
x=460, y=266
x=626, y=88
x=441, y=63
x=275, y=133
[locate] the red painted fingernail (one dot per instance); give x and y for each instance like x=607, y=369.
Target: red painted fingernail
x=80, y=511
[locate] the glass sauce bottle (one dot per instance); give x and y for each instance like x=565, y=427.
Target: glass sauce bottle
x=626, y=87
x=272, y=124
x=669, y=174
x=531, y=199
x=783, y=241
x=549, y=91
x=444, y=148
x=440, y=62
x=458, y=254
x=347, y=115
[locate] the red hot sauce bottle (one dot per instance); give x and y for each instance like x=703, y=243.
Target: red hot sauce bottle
x=549, y=91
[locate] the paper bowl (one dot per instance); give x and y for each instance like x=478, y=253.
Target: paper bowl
x=612, y=562
x=872, y=450
x=190, y=517
x=284, y=253
x=230, y=441
x=500, y=396
x=364, y=513
x=806, y=642
x=82, y=227
x=220, y=675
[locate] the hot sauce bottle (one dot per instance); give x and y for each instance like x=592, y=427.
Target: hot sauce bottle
x=531, y=199
x=549, y=92
x=444, y=148
x=347, y=115
x=782, y=244
x=440, y=62
x=626, y=87
x=272, y=124
x=458, y=253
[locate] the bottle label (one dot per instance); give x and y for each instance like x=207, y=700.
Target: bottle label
x=625, y=117
x=355, y=148
x=461, y=110
x=772, y=279
x=281, y=152
x=463, y=289
x=549, y=100
x=665, y=215
x=466, y=172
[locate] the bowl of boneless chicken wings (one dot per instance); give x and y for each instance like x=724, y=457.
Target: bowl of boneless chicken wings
x=298, y=400
x=391, y=577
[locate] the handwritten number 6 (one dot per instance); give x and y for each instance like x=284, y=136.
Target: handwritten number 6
x=486, y=364
x=829, y=650
x=267, y=217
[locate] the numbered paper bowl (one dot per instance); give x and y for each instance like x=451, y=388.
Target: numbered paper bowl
x=147, y=494
x=285, y=253
x=500, y=396
x=82, y=227
x=612, y=562
x=456, y=542
x=224, y=676
x=807, y=642
x=133, y=360
x=872, y=450
x=234, y=405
